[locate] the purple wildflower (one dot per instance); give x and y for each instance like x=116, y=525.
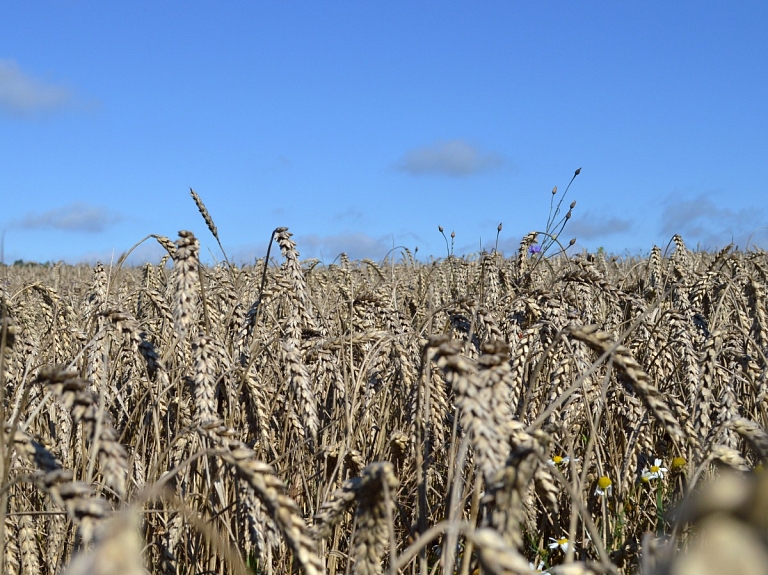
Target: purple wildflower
x=534, y=249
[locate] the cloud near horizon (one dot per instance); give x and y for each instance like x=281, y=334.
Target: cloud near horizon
x=451, y=158
x=148, y=252
x=74, y=217
x=357, y=246
x=588, y=226
x=700, y=221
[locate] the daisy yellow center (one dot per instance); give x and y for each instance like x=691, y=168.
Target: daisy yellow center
x=654, y=468
x=604, y=482
x=678, y=462
x=557, y=459
x=562, y=541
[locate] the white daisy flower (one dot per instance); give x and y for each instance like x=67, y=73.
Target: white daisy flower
x=558, y=460
x=562, y=543
x=655, y=472
x=604, y=487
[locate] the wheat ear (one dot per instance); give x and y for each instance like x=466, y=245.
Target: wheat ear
x=209, y=222
x=602, y=343
x=83, y=406
x=271, y=492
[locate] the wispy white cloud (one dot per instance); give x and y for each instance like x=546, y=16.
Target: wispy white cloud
x=148, y=252
x=349, y=215
x=24, y=95
x=589, y=226
x=702, y=221
x=248, y=254
x=356, y=245
x=452, y=158
x=74, y=217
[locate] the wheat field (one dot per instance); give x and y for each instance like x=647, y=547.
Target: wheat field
x=488, y=414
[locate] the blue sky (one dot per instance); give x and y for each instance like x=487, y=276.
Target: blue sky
x=362, y=126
